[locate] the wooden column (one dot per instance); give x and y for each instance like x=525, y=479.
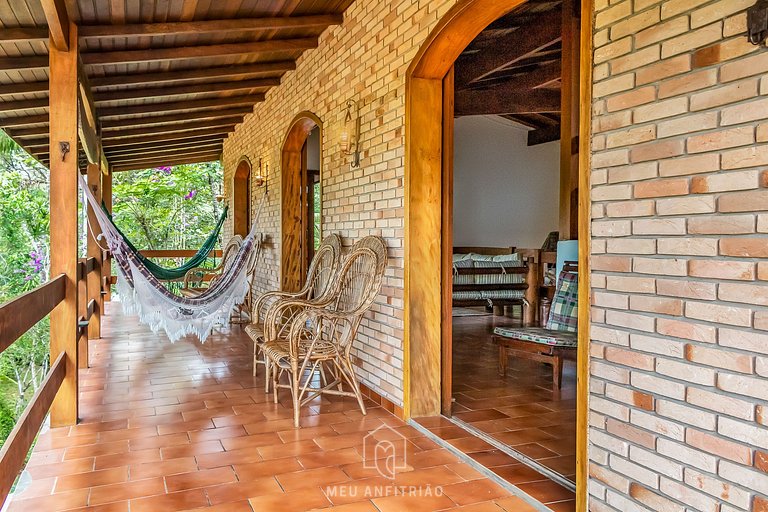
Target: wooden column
x=64, y=221
x=94, y=251
x=569, y=125
x=106, y=265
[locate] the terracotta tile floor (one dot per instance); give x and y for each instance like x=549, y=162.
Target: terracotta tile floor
x=520, y=410
x=184, y=426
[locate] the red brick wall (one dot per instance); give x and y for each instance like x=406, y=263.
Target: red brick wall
x=679, y=243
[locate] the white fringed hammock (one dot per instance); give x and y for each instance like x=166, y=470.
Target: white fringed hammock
x=142, y=294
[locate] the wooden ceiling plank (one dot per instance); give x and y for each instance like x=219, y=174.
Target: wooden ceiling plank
x=58, y=22
x=153, y=137
x=24, y=88
x=538, y=77
x=135, y=122
x=118, y=153
x=120, y=147
x=502, y=100
x=8, y=122
x=9, y=106
x=19, y=63
x=545, y=31
x=150, y=165
x=140, y=158
x=21, y=34
x=233, y=85
x=209, y=26
x=210, y=123
x=261, y=68
x=150, y=108
x=198, y=52
x=544, y=135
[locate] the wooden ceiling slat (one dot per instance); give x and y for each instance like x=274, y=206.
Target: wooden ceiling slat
x=167, y=161
x=154, y=137
x=23, y=120
x=133, y=132
x=260, y=68
x=209, y=26
x=10, y=35
x=111, y=125
x=140, y=158
x=7, y=106
x=505, y=100
x=116, y=146
x=163, y=149
x=18, y=63
x=198, y=52
x=150, y=108
x=23, y=88
x=233, y=85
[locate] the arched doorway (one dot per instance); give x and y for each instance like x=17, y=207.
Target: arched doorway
x=301, y=196
x=241, y=198
x=428, y=183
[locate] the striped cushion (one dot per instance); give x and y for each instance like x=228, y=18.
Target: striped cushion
x=499, y=278
x=463, y=278
x=470, y=295
x=503, y=294
x=539, y=335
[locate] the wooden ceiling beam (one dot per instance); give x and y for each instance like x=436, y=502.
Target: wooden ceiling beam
x=9, y=106
x=24, y=87
x=8, y=122
x=21, y=34
x=544, y=31
x=133, y=122
x=233, y=85
x=544, y=135
x=156, y=108
x=140, y=158
x=538, y=77
x=153, y=137
x=18, y=63
x=118, y=145
x=150, y=165
x=198, y=52
x=58, y=22
x=218, y=72
x=162, y=146
x=158, y=149
x=503, y=100
x=209, y=26
x=210, y=123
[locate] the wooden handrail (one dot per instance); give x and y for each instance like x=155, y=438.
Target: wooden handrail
x=175, y=253
x=22, y=313
x=16, y=447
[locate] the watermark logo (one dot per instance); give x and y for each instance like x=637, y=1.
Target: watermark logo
x=384, y=450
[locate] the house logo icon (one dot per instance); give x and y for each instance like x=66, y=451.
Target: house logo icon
x=384, y=449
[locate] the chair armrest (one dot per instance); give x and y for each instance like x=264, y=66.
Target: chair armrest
x=197, y=274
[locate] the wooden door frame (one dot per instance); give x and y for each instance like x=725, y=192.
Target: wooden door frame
x=426, y=229
x=241, y=213
x=293, y=232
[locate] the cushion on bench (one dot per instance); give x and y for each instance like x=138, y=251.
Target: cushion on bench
x=563, y=315
x=539, y=335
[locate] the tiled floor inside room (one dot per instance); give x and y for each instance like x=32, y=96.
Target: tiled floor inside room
x=184, y=426
x=520, y=410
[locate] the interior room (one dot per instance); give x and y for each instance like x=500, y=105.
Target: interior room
x=514, y=253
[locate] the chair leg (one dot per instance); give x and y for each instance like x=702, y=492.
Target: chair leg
x=352, y=378
x=557, y=371
x=255, y=352
x=268, y=372
x=502, y=360
x=275, y=378
x=295, y=380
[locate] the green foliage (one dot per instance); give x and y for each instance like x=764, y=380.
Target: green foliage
x=168, y=208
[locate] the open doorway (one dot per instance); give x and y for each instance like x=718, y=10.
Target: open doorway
x=301, y=198
x=514, y=253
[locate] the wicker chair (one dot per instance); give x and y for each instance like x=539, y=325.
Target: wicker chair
x=195, y=277
x=322, y=334
x=320, y=275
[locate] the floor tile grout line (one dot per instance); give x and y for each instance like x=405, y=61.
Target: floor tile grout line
x=524, y=459
x=487, y=473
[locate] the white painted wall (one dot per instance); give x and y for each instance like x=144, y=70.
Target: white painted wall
x=505, y=193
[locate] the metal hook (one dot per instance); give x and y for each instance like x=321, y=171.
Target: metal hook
x=64, y=148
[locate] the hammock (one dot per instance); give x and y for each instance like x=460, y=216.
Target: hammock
x=143, y=294
x=172, y=274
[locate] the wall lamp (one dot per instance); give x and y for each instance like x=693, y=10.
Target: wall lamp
x=260, y=179
x=350, y=132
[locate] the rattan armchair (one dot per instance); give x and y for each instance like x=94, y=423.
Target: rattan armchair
x=319, y=277
x=321, y=334
x=196, y=277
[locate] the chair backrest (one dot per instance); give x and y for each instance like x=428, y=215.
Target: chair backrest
x=563, y=314
x=360, y=277
x=230, y=250
x=323, y=268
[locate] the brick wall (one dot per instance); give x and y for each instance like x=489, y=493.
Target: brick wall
x=364, y=59
x=680, y=224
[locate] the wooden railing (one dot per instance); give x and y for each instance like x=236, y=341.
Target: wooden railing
x=17, y=317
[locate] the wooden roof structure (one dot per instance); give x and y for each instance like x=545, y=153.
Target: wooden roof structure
x=513, y=69
x=163, y=82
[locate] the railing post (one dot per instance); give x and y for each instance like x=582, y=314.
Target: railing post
x=82, y=313
x=63, y=220
x=106, y=265
x=94, y=251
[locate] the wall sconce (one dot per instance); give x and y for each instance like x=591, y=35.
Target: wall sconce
x=350, y=132
x=260, y=179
